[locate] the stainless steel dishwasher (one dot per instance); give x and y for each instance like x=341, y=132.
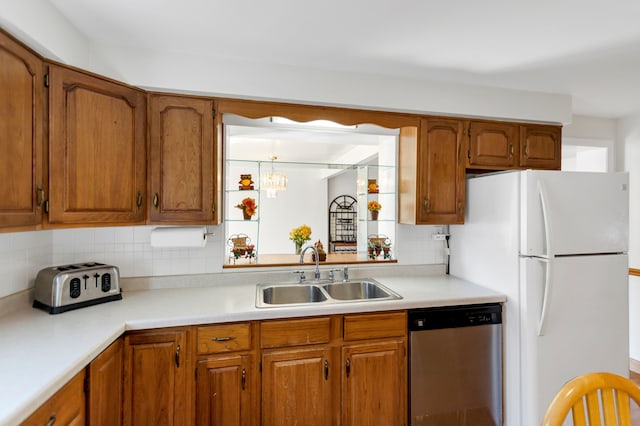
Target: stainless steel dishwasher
x=455, y=366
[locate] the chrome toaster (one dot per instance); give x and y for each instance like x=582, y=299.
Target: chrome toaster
x=62, y=288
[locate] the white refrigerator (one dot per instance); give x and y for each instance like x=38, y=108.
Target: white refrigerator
x=555, y=243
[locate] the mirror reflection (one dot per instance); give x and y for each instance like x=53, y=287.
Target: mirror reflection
x=289, y=185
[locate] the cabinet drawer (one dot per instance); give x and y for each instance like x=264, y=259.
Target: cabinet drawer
x=224, y=338
x=66, y=407
x=308, y=331
x=374, y=326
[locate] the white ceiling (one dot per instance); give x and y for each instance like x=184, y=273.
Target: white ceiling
x=588, y=49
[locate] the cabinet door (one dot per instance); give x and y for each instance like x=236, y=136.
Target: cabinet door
x=66, y=407
x=440, y=172
x=493, y=145
x=540, y=146
x=21, y=130
x=374, y=384
x=181, y=166
x=296, y=387
x=157, y=373
x=226, y=391
x=104, y=401
x=97, y=164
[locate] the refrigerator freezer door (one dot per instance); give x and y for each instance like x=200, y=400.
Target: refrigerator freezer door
x=586, y=324
x=566, y=213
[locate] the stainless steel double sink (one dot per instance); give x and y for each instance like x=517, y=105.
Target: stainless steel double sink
x=322, y=292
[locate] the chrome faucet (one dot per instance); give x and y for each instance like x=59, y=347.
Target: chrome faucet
x=316, y=274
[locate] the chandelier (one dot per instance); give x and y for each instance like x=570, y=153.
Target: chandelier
x=273, y=182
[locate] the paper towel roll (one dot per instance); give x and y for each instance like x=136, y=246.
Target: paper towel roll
x=179, y=237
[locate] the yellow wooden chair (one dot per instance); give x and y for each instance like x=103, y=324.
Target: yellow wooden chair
x=605, y=396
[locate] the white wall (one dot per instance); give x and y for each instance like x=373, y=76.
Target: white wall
x=628, y=146
x=593, y=132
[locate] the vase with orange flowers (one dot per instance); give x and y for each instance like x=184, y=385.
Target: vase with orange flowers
x=374, y=207
x=248, y=207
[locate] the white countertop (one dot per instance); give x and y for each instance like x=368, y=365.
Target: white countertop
x=41, y=352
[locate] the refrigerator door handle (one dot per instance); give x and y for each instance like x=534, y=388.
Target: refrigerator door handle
x=546, y=298
x=545, y=217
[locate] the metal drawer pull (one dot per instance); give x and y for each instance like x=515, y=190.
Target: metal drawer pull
x=178, y=356
x=326, y=369
x=348, y=367
x=51, y=421
x=244, y=378
x=223, y=339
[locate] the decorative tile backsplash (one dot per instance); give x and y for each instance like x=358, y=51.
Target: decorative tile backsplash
x=23, y=254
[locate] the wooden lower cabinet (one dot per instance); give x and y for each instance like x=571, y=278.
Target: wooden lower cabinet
x=104, y=398
x=328, y=370
x=226, y=391
x=373, y=384
x=158, y=378
x=297, y=387
x=65, y=408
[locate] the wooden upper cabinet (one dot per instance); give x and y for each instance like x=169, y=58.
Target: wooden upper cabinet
x=493, y=145
x=97, y=157
x=181, y=160
x=21, y=135
x=540, y=146
x=441, y=179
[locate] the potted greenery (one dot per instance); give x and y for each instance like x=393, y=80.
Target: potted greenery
x=374, y=207
x=248, y=207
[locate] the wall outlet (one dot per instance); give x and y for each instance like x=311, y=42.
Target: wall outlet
x=439, y=237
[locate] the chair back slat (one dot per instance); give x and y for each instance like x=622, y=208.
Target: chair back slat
x=577, y=411
x=608, y=406
x=624, y=407
x=593, y=408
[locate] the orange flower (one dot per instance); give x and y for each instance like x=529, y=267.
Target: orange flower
x=248, y=205
x=374, y=205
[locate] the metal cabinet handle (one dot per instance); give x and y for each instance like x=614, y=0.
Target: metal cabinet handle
x=425, y=204
x=139, y=199
x=244, y=379
x=178, y=356
x=51, y=421
x=348, y=367
x=510, y=150
x=526, y=150
x=155, y=200
x=326, y=369
x=39, y=196
x=223, y=339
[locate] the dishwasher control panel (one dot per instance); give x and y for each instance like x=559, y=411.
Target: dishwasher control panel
x=454, y=316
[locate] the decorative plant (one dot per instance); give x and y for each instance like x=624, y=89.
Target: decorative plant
x=300, y=234
x=248, y=206
x=374, y=206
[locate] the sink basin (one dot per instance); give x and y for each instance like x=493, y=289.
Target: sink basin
x=353, y=290
x=278, y=294
x=295, y=293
